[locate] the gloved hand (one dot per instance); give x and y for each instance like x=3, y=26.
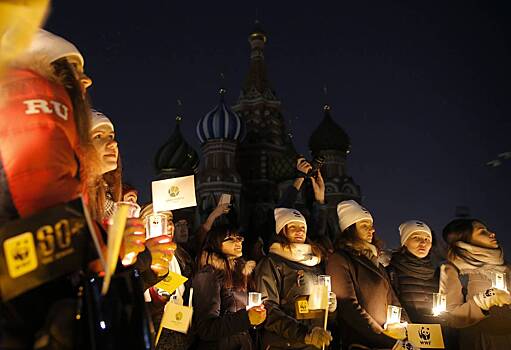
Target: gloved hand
x=318, y=337
x=257, y=315
x=332, y=302
x=404, y=345
x=396, y=331
x=492, y=297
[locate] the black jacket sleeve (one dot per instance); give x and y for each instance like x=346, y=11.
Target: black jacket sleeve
x=269, y=283
x=210, y=324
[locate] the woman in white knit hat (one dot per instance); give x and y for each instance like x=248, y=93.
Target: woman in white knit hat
x=477, y=305
x=286, y=274
x=360, y=282
x=412, y=273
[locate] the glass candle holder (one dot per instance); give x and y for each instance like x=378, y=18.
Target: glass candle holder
x=325, y=280
x=439, y=303
x=318, y=297
x=133, y=211
x=156, y=225
x=499, y=280
x=254, y=299
x=393, y=314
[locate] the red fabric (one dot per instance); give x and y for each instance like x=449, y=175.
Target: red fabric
x=37, y=144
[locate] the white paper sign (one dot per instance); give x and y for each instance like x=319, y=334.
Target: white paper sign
x=177, y=317
x=176, y=193
x=224, y=199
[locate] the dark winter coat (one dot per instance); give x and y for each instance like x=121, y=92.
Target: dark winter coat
x=414, y=281
x=363, y=292
x=280, y=282
x=220, y=318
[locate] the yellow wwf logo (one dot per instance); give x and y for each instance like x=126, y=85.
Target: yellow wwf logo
x=20, y=253
x=174, y=191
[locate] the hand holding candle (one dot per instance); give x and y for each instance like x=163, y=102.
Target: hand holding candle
x=133, y=241
x=257, y=315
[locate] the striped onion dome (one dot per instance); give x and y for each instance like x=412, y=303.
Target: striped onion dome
x=220, y=123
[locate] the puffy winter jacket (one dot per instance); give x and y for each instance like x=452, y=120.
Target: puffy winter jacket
x=281, y=282
x=414, y=281
x=38, y=139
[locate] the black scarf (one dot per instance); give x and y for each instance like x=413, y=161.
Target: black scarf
x=408, y=264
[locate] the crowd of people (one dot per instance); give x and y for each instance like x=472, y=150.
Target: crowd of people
x=55, y=148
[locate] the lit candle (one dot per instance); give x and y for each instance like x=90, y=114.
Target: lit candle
x=439, y=303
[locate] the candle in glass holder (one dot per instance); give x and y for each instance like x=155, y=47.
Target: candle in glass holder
x=499, y=280
x=393, y=314
x=439, y=303
x=254, y=299
x=324, y=280
x=156, y=225
x=318, y=298
x=133, y=211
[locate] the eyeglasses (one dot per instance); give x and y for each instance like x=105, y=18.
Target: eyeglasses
x=234, y=239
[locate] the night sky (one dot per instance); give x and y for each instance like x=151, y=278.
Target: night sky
x=422, y=88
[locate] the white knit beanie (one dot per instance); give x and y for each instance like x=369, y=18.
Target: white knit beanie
x=284, y=216
x=350, y=212
x=50, y=47
x=406, y=229
x=98, y=119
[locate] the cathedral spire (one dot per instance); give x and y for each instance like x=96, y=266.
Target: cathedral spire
x=256, y=78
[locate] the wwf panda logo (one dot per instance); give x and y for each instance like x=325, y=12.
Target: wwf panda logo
x=425, y=333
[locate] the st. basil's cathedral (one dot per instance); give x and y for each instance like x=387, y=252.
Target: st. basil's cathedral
x=247, y=151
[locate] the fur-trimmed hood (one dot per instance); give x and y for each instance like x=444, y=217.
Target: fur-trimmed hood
x=218, y=263
x=238, y=275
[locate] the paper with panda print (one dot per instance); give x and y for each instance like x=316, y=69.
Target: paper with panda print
x=425, y=336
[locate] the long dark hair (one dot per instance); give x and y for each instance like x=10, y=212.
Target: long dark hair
x=65, y=74
x=281, y=238
x=458, y=230
x=211, y=254
x=349, y=237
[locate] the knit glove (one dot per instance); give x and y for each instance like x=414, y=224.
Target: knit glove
x=332, y=302
x=318, y=337
x=395, y=330
x=492, y=297
x=404, y=345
